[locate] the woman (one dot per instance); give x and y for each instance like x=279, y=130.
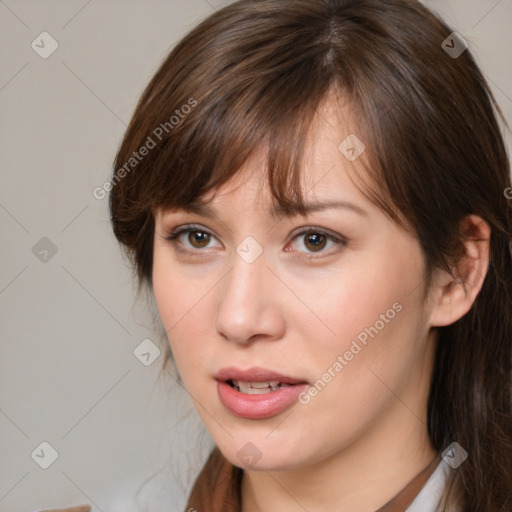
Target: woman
x=315, y=193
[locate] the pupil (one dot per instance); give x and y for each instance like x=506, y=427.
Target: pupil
x=317, y=240
x=203, y=238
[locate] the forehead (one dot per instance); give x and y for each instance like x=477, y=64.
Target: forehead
x=326, y=174
x=326, y=184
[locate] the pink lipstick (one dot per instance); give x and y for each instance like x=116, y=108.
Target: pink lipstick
x=257, y=393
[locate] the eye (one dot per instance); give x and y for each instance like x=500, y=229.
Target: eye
x=315, y=240
x=198, y=238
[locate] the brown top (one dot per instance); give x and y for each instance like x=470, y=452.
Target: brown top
x=218, y=487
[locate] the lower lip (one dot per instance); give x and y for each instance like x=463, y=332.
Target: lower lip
x=257, y=407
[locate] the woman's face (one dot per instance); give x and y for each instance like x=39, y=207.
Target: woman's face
x=333, y=301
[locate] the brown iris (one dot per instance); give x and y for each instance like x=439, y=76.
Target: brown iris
x=316, y=240
x=201, y=240
x=313, y=241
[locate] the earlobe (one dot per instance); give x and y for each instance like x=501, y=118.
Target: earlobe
x=455, y=294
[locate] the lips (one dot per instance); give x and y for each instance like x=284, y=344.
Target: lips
x=257, y=393
x=255, y=374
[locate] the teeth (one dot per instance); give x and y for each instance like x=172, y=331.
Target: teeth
x=254, y=391
x=261, y=385
x=258, y=388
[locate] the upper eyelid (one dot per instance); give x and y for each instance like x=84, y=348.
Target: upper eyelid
x=187, y=227
x=299, y=232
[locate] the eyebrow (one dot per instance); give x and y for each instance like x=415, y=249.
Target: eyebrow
x=316, y=206
x=205, y=210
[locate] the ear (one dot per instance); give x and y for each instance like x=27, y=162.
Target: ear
x=453, y=295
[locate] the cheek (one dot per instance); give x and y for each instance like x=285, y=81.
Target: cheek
x=372, y=318
x=184, y=305
x=186, y=335
x=370, y=297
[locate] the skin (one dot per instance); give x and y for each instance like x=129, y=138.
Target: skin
x=360, y=440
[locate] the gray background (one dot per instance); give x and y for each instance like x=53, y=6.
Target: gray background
x=71, y=320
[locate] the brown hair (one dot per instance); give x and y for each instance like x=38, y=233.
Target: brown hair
x=253, y=75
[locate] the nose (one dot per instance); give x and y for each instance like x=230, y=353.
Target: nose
x=249, y=306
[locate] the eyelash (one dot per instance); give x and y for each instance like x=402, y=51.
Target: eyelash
x=174, y=235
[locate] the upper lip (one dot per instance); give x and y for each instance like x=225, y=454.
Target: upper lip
x=255, y=374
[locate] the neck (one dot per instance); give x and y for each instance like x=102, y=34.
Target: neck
x=359, y=478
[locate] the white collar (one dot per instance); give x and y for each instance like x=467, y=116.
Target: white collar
x=429, y=498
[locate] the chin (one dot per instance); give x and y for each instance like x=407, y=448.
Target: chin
x=255, y=453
